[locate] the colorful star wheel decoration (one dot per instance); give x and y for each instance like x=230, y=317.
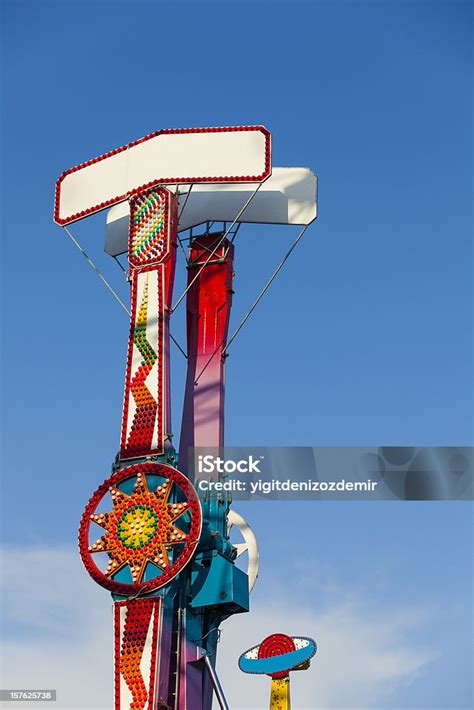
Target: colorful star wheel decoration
x=150, y=533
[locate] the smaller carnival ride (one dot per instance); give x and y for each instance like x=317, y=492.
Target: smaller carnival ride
x=276, y=657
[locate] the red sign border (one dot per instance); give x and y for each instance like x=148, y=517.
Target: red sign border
x=149, y=185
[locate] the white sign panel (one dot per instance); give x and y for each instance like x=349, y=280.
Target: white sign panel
x=238, y=154
x=287, y=197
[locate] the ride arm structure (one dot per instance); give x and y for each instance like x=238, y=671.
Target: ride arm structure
x=145, y=535
x=163, y=551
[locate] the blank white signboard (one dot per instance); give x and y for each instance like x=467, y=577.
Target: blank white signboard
x=238, y=154
x=289, y=196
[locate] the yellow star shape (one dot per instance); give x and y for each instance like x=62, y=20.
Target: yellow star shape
x=140, y=528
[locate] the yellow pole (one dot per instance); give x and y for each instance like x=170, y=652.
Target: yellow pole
x=280, y=694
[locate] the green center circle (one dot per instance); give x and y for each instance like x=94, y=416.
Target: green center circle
x=137, y=526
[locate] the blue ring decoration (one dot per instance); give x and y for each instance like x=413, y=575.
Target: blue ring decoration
x=278, y=664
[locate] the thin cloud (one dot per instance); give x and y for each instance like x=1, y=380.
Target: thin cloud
x=364, y=654
x=58, y=634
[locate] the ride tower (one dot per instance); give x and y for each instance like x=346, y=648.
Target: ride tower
x=163, y=551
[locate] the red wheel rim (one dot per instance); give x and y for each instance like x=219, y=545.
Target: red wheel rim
x=140, y=528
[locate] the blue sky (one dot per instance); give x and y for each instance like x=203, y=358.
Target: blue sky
x=365, y=338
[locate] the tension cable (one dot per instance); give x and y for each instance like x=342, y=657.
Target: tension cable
x=104, y=280
x=254, y=305
x=265, y=288
x=221, y=240
x=97, y=270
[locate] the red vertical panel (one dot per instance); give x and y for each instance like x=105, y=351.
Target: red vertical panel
x=137, y=624
x=152, y=258
x=209, y=302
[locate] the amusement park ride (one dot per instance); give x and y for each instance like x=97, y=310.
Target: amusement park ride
x=163, y=551
x=276, y=656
